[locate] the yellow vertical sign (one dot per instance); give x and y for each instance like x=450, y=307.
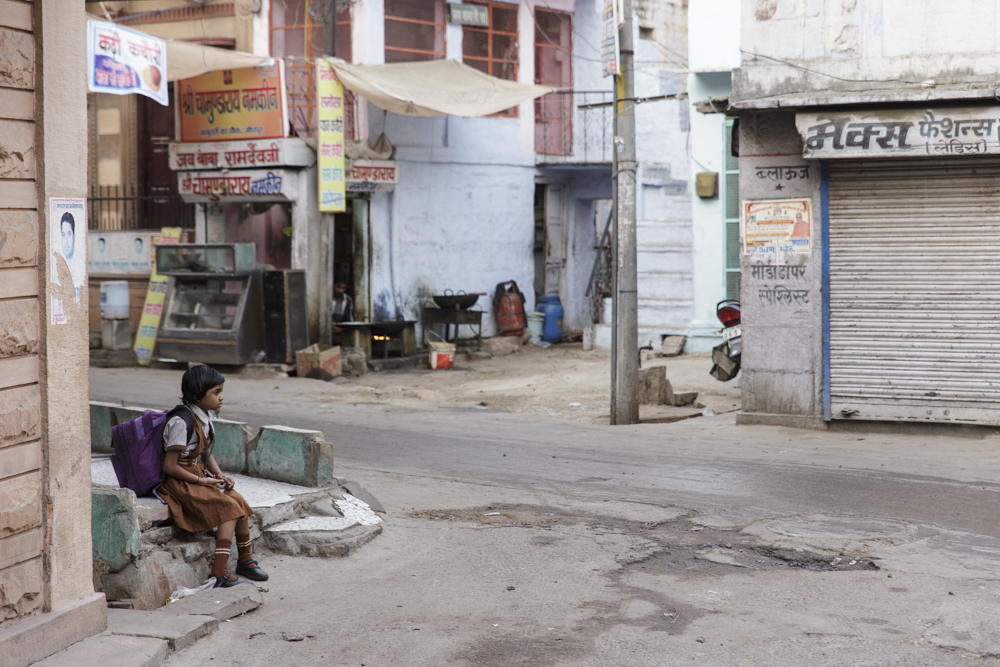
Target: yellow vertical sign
x=330, y=139
x=149, y=324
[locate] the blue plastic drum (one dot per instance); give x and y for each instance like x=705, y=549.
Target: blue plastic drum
x=552, y=327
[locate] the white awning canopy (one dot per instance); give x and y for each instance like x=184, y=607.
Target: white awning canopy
x=187, y=59
x=433, y=88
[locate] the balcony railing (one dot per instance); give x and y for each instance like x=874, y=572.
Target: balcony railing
x=593, y=113
x=112, y=207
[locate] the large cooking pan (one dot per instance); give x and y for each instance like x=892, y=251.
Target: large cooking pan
x=459, y=301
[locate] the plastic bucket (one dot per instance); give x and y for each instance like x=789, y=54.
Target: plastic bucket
x=535, y=322
x=114, y=300
x=442, y=355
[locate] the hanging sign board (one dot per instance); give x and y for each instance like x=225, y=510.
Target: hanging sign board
x=474, y=15
x=330, y=140
x=288, y=152
x=610, y=52
x=900, y=133
x=372, y=175
x=247, y=103
x=774, y=230
x=122, y=62
x=152, y=310
x=245, y=185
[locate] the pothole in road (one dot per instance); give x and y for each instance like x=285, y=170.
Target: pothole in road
x=842, y=527
x=674, y=547
x=694, y=549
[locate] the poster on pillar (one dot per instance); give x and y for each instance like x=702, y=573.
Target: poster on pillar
x=68, y=240
x=776, y=231
x=330, y=138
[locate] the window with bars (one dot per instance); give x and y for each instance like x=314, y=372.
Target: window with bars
x=414, y=30
x=493, y=50
x=730, y=192
x=297, y=36
x=554, y=68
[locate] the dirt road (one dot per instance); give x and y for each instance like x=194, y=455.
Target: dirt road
x=563, y=382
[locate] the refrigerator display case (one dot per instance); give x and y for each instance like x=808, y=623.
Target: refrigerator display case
x=212, y=313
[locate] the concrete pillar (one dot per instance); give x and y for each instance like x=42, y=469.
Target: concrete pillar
x=362, y=260
x=61, y=98
x=307, y=244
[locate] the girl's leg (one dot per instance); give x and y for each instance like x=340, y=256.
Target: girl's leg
x=243, y=543
x=225, y=531
x=223, y=543
x=246, y=566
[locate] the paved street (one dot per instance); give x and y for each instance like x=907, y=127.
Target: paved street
x=513, y=539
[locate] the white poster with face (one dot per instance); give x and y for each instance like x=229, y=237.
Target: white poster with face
x=68, y=240
x=99, y=254
x=139, y=247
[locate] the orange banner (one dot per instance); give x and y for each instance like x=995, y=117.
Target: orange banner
x=244, y=103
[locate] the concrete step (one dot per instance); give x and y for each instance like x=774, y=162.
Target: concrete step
x=110, y=651
x=180, y=631
x=338, y=527
x=647, y=335
x=219, y=603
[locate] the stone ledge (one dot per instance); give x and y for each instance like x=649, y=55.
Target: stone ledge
x=291, y=455
x=219, y=603
x=39, y=636
x=770, y=419
x=180, y=631
x=110, y=651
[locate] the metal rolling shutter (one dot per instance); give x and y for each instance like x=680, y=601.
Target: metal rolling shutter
x=915, y=289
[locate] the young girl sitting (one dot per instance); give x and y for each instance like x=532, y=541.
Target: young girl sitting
x=199, y=495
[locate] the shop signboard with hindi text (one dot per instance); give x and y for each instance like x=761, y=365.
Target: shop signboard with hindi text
x=287, y=152
x=372, y=175
x=776, y=231
x=900, y=133
x=330, y=140
x=244, y=185
x=247, y=104
x=125, y=62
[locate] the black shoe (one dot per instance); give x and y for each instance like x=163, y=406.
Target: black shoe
x=250, y=570
x=225, y=582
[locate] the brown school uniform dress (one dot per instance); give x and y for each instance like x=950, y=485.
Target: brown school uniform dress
x=195, y=507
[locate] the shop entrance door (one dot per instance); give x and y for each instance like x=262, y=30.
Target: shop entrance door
x=914, y=290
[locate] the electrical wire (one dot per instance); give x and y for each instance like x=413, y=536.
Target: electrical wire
x=829, y=76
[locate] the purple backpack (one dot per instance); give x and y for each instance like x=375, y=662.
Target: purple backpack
x=138, y=445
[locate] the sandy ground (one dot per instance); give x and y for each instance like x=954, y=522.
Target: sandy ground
x=562, y=382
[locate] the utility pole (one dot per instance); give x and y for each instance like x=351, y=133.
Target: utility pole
x=330, y=28
x=625, y=393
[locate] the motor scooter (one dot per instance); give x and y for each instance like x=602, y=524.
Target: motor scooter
x=726, y=357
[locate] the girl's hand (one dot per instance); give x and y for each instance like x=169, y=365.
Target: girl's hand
x=229, y=483
x=211, y=481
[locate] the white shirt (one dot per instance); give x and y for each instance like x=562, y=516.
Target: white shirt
x=175, y=432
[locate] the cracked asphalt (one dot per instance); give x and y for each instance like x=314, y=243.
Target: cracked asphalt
x=515, y=540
